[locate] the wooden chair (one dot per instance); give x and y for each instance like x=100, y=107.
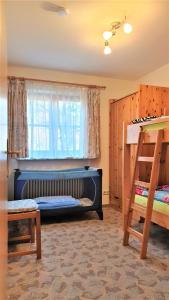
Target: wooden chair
x=22, y=210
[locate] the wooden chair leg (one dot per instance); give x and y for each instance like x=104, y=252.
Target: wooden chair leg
x=32, y=230
x=35, y=219
x=38, y=235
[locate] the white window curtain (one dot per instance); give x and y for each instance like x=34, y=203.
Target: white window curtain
x=57, y=121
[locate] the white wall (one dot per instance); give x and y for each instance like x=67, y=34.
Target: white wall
x=114, y=89
x=159, y=77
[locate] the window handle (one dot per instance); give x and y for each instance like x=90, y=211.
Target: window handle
x=12, y=152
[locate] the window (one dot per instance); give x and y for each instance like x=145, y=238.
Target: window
x=57, y=121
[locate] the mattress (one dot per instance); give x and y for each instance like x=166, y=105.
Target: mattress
x=161, y=198
x=18, y=206
x=157, y=206
x=58, y=202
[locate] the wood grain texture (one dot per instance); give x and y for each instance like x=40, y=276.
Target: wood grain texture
x=149, y=100
x=121, y=111
x=157, y=217
x=3, y=158
x=129, y=205
x=126, y=175
x=154, y=100
x=35, y=226
x=150, y=200
x=129, y=212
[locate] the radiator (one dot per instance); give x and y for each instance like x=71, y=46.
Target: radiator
x=42, y=188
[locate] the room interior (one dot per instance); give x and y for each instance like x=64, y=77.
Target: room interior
x=114, y=57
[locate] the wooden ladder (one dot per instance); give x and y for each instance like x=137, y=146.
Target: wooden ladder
x=151, y=186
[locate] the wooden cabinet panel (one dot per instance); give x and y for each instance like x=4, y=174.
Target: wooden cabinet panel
x=153, y=101
x=121, y=111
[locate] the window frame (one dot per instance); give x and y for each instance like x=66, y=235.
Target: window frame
x=46, y=154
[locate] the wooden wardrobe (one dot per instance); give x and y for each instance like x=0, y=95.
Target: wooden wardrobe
x=149, y=100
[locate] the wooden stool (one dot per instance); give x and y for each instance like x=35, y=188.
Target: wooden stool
x=22, y=210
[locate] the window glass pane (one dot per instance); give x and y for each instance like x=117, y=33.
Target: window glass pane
x=38, y=112
x=41, y=138
x=56, y=123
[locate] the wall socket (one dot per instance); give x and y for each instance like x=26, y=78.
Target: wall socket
x=106, y=193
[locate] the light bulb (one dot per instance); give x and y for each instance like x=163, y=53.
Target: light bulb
x=107, y=50
x=127, y=28
x=63, y=12
x=107, y=35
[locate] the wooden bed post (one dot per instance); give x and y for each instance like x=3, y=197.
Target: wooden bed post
x=126, y=176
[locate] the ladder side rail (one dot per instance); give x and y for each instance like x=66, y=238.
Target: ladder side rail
x=126, y=176
x=153, y=184
x=129, y=214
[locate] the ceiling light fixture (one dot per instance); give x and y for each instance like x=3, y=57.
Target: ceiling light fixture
x=107, y=49
x=52, y=7
x=107, y=35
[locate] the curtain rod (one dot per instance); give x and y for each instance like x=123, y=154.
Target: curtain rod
x=60, y=82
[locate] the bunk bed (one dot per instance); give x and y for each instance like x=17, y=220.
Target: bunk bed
x=160, y=212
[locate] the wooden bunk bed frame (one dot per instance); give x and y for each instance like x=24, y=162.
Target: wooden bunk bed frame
x=130, y=138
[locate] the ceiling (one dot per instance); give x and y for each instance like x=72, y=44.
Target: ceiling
x=39, y=38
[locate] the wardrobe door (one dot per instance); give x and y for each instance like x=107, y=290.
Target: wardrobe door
x=120, y=112
x=117, y=117
x=123, y=110
x=124, y=115
x=113, y=154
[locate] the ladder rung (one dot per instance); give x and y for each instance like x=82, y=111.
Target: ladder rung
x=135, y=233
x=142, y=184
x=146, y=158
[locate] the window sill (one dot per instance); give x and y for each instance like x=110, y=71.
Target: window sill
x=43, y=159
